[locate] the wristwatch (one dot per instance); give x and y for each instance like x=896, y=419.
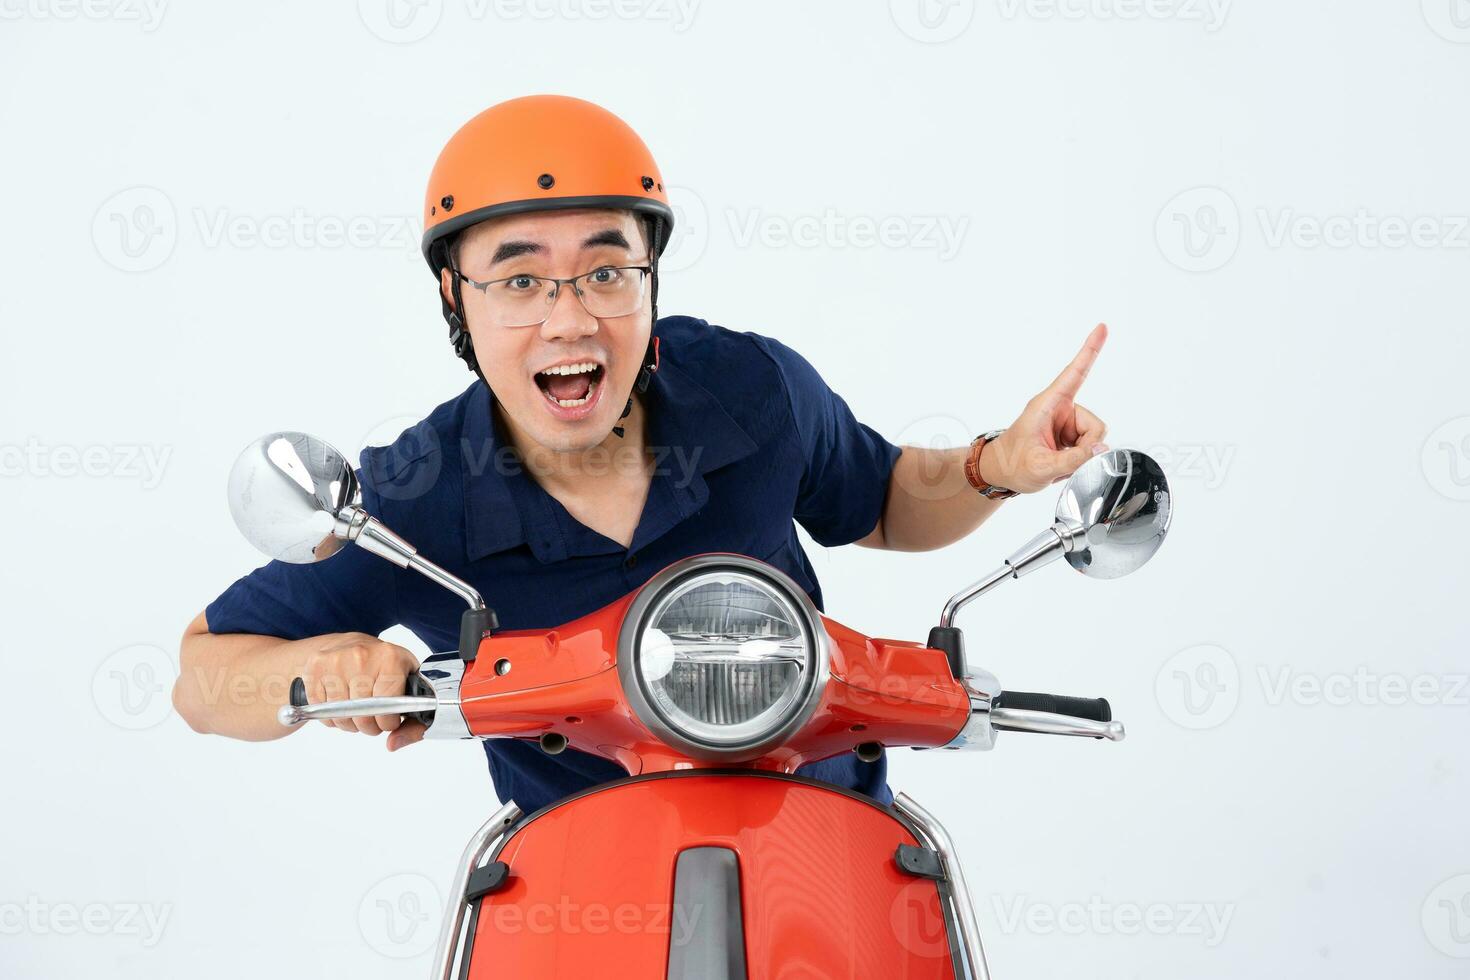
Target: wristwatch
x=972, y=468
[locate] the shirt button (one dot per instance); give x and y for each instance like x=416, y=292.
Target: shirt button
x=630, y=562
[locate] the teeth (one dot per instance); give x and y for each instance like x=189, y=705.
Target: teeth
x=574, y=402
x=583, y=368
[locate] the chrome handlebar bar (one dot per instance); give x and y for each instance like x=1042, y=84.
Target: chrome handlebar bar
x=296, y=714
x=1050, y=723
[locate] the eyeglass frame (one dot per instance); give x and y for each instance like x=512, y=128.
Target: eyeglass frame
x=647, y=271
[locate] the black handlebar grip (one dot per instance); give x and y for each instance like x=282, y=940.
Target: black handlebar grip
x=1095, y=709
x=298, y=693
x=417, y=685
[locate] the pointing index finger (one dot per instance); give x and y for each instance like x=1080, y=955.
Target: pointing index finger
x=1072, y=376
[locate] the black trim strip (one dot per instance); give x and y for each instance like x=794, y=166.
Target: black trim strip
x=629, y=202
x=707, y=904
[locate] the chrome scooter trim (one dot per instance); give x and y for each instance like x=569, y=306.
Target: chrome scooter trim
x=444, y=672
x=1048, y=723
x=959, y=892
x=489, y=833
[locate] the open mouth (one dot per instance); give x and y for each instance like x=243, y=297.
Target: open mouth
x=570, y=385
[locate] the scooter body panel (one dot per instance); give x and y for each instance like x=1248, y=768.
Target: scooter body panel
x=820, y=894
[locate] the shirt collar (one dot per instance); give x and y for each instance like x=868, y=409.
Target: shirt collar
x=689, y=430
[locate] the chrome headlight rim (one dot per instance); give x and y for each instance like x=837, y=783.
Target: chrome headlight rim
x=814, y=681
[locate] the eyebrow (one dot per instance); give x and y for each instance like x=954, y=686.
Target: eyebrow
x=515, y=249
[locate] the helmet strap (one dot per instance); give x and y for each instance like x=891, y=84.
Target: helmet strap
x=650, y=356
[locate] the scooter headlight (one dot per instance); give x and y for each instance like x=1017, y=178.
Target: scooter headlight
x=723, y=656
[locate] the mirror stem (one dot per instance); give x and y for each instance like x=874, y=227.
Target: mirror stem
x=369, y=534
x=1041, y=550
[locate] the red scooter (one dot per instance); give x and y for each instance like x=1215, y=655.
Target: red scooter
x=711, y=684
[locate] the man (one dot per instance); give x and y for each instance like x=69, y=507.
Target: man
x=599, y=445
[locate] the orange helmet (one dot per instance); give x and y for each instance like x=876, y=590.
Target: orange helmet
x=539, y=153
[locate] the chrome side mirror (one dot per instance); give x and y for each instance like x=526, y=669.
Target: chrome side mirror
x=296, y=499
x=1111, y=519
x=288, y=494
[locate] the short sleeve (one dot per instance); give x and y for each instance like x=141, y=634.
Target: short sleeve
x=847, y=465
x=352, y=591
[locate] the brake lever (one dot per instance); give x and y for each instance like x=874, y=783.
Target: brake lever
x=1049, y=723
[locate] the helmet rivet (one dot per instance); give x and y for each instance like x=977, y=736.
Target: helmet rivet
x=447, y=202
x=648, y=183
x=545, y=181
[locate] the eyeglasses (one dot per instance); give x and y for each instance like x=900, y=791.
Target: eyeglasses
x=527, y=301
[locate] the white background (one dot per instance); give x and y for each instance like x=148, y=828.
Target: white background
x=1291, y=667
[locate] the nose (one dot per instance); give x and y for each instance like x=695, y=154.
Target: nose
x=569, y=319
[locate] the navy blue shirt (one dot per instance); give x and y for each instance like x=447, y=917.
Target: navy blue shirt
x=747, y=440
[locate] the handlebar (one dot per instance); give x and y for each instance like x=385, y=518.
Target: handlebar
x=1096, y=709
x=1055, y=714
x=419, y=704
